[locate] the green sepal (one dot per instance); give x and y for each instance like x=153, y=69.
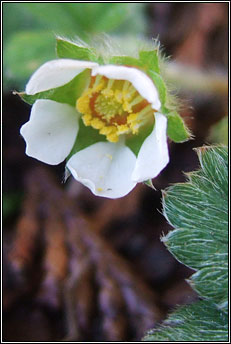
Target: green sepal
x=67, y=94
x=134, y=142
x=71, y=50
x=160, y=85
x=125, y=61
x=86, y=137
x=149, y=183
x=150, y=60
x=176, y=129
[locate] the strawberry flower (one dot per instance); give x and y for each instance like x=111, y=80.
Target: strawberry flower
x=105, y=120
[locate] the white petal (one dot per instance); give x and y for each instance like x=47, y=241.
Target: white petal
x=105, y=168
x=153, y=155
x=142, y=83
x=51, y=131
x=56, y=73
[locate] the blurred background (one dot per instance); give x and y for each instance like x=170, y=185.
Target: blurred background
x=78, y=267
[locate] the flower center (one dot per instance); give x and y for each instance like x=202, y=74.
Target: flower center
x=114, y=107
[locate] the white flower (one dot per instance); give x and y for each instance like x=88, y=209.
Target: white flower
x=118, y=102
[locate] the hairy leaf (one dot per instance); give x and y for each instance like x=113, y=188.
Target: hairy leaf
x=198, y=210
x=197, y=322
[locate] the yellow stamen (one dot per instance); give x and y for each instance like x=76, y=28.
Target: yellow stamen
x=114, y=107
x=123, y=129
x=97, y=123
x=83, y=105
x=113, y=138
x=87, y=119
x=107, y=93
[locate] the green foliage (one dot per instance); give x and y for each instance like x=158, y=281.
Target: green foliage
x=25, y=52
x=220, y=132
x=200, y=322
x=16, y=18
x=74, y=18
x=198, y=210
x=29, y=29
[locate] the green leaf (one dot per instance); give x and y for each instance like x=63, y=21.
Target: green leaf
x=200, y=322
x=150, y=60
x=67, y=94
x=81, y=18
x=214, y=290
x=25, y=52
x=57, y=17
x=15, y=19
x=177, y=130
x=199, y=212
x=106, y=17
x=109, y=16
x=220, y=132
x=67, y=49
